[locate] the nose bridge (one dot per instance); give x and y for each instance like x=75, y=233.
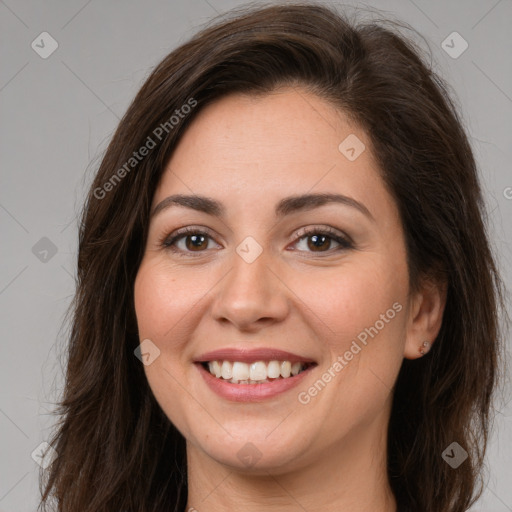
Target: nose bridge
x=250, y=291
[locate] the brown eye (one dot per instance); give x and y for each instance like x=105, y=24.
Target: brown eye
x=188, y=240
x=318, y=242
x=197, y=242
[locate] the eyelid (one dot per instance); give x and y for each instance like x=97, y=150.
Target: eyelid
x=166, y=239
x=328, y=230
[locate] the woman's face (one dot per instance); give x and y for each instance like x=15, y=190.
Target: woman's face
x=258, y=274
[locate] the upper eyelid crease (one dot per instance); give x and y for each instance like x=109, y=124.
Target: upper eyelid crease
x=284, y=207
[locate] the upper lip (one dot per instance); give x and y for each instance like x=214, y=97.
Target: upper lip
x=251, y=355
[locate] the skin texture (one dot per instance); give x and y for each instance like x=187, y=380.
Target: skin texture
x=329, y=454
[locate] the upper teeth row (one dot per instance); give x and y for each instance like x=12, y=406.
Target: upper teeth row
x=257, y=371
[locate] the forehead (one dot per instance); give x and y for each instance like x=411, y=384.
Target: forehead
x=259, y=148
x=288, y=126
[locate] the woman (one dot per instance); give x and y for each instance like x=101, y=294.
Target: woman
x=286, y=296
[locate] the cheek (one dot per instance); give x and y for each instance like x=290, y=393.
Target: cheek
x=162, y=300
x=362, y=330
x=349, y=301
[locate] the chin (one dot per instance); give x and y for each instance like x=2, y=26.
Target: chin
x=253, y=451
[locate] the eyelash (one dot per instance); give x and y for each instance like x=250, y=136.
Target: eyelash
x=168, y=241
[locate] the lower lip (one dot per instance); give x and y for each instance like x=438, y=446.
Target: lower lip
x=250, y=392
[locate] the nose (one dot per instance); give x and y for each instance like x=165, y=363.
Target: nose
x=251, y=295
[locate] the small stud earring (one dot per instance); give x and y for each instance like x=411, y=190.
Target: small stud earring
x=424, y=347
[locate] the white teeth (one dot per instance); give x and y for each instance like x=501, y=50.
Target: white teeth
x=295, y=368
x=226, y=370
x=286, y=369
x=258, y=371
x=214, y=368
x=240, y=371
x=254, y=373
x=273, y=370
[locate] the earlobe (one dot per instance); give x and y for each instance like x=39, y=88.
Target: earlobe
x=426, y=317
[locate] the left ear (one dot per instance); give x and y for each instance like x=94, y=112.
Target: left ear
x=425, y=317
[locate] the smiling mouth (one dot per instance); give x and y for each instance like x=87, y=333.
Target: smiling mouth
x=258, y=372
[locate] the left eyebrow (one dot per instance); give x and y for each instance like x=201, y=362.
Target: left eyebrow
x=305, y=202
x=284, y=207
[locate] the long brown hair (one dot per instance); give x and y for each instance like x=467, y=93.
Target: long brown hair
x=116, y=448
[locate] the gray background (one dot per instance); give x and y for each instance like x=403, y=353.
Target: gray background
x=57, y=116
